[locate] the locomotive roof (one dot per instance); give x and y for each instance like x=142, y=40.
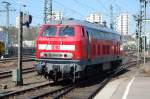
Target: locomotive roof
x=83, y=23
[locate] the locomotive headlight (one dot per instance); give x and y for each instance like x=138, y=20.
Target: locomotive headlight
x=41, y=54
x=45, y=55
x=68, y=55
x=65, y=56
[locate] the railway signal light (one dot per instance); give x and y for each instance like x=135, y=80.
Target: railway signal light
x=145, y=42
x=30, y=18
x=141, y=44
x=137, y=35
x=27, y=19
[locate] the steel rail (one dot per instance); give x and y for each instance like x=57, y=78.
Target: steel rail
x=10, y=94
x=61, y=92
x=9, y=73
x=25, y=59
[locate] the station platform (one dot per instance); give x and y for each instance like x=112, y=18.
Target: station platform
x=134, y=86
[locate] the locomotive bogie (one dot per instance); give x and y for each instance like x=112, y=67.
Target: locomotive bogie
x=60, y=69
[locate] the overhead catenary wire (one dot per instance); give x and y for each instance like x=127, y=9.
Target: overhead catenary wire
x=84, y=5
x=103, y=6
x=68, y=8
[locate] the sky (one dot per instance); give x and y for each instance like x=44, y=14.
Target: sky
x=77, y=9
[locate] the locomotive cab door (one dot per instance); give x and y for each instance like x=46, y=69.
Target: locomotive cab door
x=89, y=45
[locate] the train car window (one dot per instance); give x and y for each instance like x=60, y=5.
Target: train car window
x=98, y=49
x=103, y=49
x=115, y=50
x=49, y=31
x=94, y=50
x=66, y=31
x=108, y=49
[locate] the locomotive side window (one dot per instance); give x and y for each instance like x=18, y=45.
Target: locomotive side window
x=108, y=49
x=103, y=47
x=66, y=31
x=83, y=32
x=98, y=49
x=49, y=31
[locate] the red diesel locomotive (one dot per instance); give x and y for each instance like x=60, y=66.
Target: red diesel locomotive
x=73, y=48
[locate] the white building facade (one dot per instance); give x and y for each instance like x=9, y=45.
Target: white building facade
x=94, y=18
x=56, y=15
x=122, y=24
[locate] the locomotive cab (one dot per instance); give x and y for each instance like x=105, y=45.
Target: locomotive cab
x=59, y=42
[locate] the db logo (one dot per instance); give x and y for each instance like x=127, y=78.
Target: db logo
x=56, y=47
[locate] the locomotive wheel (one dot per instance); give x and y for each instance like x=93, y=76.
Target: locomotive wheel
x=46, y=75
x=73, y=78
x=115, y=65
x=55, y=76
x=83, y=74
x=38, y=73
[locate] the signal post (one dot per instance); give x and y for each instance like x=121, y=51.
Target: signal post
x=24, y=20
x=19, y=81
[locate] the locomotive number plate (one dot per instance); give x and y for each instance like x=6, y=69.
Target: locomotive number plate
x=55, y=47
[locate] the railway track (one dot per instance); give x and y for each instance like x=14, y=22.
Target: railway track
x=56, y=92
x=25, y=59
x=9, y=73
x=26, y=93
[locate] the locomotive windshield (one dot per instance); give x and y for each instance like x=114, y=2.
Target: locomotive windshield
x=49, y=31
x=66, y=31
